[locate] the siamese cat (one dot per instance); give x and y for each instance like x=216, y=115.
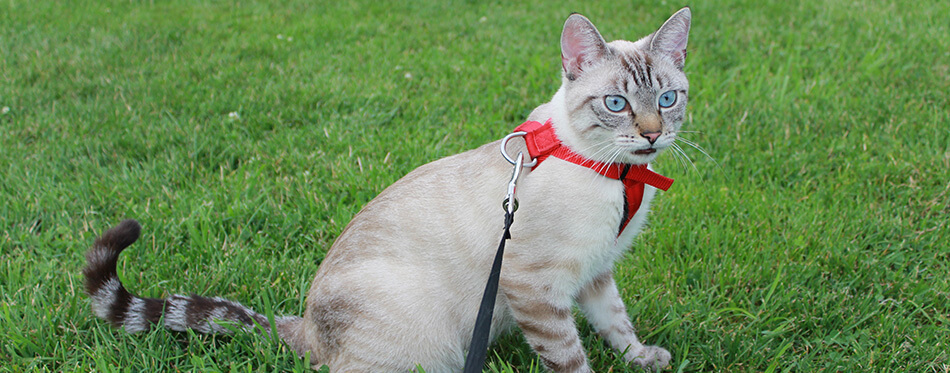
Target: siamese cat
x=401, y=285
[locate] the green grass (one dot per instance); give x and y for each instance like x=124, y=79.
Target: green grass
x=816, y=241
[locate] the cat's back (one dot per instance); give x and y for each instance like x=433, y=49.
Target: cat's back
x=415, y=245
x=442, y=217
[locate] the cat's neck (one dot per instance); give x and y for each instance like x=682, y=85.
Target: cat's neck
x=556, y=111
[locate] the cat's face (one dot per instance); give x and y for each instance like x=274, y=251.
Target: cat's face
x=625, y=101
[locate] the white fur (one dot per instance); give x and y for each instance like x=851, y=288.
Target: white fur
x=426, y=291
x=214, y=320
x=103, y=298
x=401, y=285
x=134, y=317
x=175, y=316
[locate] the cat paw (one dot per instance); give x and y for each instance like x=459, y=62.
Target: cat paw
x=652, y=358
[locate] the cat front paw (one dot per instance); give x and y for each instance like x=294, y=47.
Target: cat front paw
x=651, y=358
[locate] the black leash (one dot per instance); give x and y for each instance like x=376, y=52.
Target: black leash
x=479, y=346
x=480, y=334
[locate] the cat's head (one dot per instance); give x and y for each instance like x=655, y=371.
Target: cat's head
x=623, y=101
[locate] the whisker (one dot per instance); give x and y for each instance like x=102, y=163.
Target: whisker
x=608, y=150
x=701, y=150
x=679, y=157
x=679, y=150
x=602, y=167
x=690, y=143
x=599, y=145
x=613, y=157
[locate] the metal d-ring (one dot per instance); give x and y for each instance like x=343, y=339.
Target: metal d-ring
x=504, y=144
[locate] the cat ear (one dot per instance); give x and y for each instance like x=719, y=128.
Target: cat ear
x=581, y=46
x=671, y=38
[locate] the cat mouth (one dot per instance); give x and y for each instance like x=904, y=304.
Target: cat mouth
x=645, y=151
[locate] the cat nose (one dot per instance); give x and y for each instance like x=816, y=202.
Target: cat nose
x=651, y=136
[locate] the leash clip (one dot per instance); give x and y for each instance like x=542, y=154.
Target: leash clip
x=504, y=152
x=510, y=204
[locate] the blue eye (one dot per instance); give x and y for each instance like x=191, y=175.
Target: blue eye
x=667, y=99
x=615, y=103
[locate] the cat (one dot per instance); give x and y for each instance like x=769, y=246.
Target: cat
x=401, y=285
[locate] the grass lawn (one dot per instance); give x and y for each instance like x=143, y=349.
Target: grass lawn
x=245, y=135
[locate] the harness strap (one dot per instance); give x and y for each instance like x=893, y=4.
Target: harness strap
x=542, y=142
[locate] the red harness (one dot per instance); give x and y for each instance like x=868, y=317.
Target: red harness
x=542, y=143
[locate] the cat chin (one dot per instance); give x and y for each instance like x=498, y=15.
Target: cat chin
x=634, y=158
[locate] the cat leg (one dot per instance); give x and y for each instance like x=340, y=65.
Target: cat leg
x=547, y=323
x=601, y=302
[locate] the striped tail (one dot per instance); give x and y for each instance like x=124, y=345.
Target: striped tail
x=112, y=302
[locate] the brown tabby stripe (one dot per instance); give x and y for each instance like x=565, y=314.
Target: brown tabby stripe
x=532, y=306
x=534, y=329
x=543, y=310
x=583, y=103
x=116, y=304
x=555, y=346
x=332, y=317
x=621, y=329
x=120, y=306
x=200, y=309
x=101, y=259
x=101, y=279
x=575, y=362
x=634, y=67
x=648, y=63
x=625, y=63
x=513, y=288
x=100, y=270
x=619, y=308
x=598, y=283
x=644, y=68
x=154, y=309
